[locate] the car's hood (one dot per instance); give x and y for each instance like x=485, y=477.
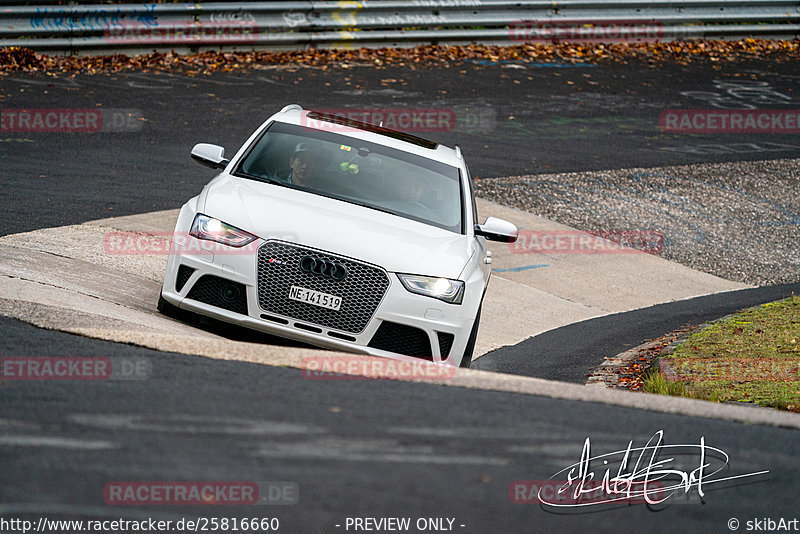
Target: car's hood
x=394, y=243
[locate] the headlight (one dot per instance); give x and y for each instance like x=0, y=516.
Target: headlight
x=451, y=291
x=205, y=227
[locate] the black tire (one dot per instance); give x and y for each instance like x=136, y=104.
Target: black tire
x=170, y=310
x=466, y=360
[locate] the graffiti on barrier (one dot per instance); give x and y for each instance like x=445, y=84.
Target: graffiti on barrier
x=101, y=18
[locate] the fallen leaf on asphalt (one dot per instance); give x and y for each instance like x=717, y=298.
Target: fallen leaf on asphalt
x=16, y=59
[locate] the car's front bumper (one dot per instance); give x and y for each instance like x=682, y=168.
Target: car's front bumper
x=404, y=326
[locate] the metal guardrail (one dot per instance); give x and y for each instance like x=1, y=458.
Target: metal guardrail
x=244, y=25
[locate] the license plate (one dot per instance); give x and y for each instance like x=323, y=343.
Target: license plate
x=317, y=298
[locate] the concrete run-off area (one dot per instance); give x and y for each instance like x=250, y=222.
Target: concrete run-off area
x=75, y=270
x=68, y=279
x=739, y=221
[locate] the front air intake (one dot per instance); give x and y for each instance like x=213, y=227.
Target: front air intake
x=219, y=292
x=402, y=339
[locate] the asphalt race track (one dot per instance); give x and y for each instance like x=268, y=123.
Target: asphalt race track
x=540, y=118
x=570, y=352
x=355, y=448
x=374, y=448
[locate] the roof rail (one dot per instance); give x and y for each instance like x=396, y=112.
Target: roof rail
x=290, y=107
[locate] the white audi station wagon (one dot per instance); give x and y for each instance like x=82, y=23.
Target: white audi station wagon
x=337, y=233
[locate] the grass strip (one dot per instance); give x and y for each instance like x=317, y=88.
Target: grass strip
x=751, y=357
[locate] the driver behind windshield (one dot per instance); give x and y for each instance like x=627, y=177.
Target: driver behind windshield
x=306, y=163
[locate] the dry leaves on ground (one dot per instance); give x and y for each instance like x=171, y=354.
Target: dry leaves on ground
x=26, y=60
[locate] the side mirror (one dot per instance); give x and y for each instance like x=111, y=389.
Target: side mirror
x=496, y=229
x=209, y=155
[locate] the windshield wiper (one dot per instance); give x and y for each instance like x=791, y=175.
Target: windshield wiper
x=265, y=179
x=275, y=181
x=370, y=206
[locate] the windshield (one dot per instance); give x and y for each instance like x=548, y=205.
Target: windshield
x=359, y=172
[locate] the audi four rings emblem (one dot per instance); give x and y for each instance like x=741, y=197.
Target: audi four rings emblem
x=320, y=267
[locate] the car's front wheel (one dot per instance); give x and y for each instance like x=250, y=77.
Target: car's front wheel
x=466, y=360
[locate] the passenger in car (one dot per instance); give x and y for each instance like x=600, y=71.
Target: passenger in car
x=415, y=189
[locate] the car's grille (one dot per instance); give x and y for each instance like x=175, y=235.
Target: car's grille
x=361, y=291
x=402, y=339
x=219, y=292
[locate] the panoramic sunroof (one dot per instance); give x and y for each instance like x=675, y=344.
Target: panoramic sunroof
x=408, y=138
